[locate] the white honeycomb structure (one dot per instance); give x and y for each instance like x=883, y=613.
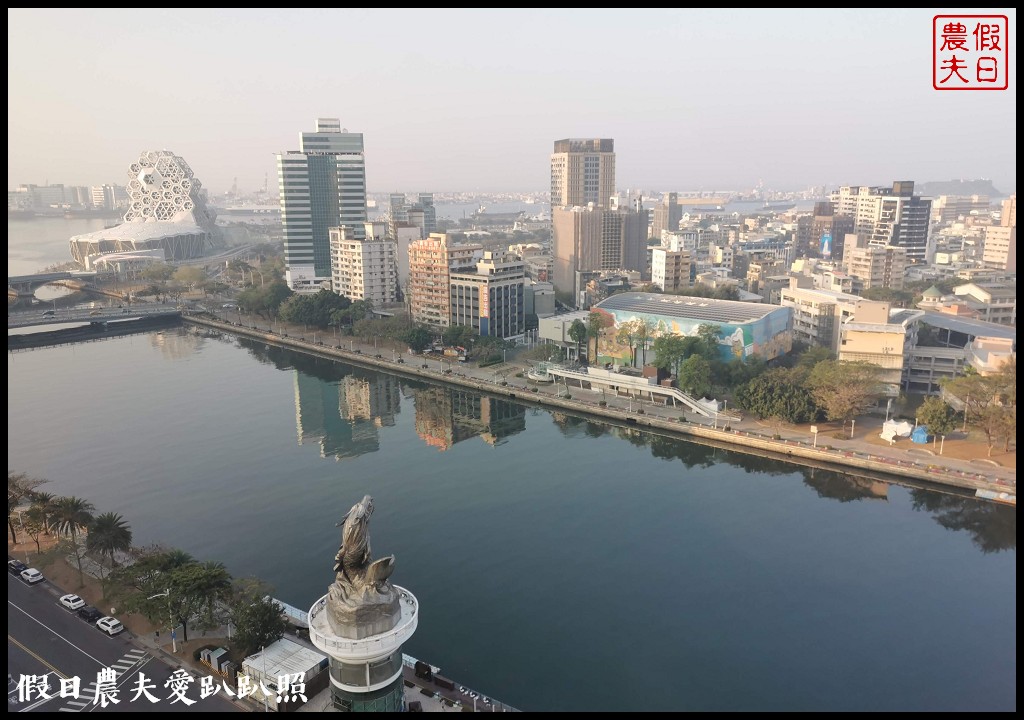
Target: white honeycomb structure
x=161, y=186
x=167, y=212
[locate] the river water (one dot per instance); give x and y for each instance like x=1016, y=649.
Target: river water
x=560, y=564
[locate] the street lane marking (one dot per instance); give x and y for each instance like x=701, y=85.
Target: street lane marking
x=55, y=670
x=55, y=633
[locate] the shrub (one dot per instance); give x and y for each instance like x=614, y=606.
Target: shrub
x=503, y=383
x=519, y=375
x=533, y=389
x=602, y=403
x=640, y=411
x=776, y=436
x=567, y=396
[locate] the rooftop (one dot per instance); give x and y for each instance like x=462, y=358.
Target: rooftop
x=967, y=326
x=691, y=308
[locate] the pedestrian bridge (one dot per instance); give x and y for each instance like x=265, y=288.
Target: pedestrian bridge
x=639, y=387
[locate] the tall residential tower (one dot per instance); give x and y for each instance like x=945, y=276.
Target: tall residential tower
x=582, y=172
x=322, y=185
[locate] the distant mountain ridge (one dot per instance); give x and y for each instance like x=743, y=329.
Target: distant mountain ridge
x=958, y=187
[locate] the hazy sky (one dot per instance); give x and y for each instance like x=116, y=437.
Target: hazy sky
x=473, y=100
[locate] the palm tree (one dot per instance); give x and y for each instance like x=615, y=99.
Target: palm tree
x=47, y=504
x=109, y=533
x=174, y=558
x=72, y=515
x=215, y=587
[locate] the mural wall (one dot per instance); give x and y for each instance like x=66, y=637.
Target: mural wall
x=767, y=337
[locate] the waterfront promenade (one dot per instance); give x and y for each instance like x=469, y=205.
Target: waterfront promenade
x=903, y=463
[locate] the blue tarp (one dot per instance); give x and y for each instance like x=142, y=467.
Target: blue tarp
x=920, y=435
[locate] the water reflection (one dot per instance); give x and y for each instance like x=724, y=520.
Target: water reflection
x=993, y=527
x=343, y=408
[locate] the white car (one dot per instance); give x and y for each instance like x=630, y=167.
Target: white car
x=109, y=625
x=72, y=601
x=32, y=576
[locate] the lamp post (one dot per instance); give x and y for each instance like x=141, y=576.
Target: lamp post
x=170, y=619
x=966, y=400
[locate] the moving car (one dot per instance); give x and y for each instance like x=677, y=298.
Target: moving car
x=109, y=625
x=32, y=576
x=89, y=614
x=72, y=601
x=14, y=567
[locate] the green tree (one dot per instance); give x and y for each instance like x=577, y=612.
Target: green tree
x=779, y=393
x=47, y=504
x=814, y=355
x=171, y=585
x=709, y=335
x=695, y=376
x=20, y=487
x=34, y=523
x=578, y=333
x=845, y=389
x=458, y=336
x=258, y=620
x=109, y=533
x=596, y=323
x=937, y=416
x=157, y=272
x=72, y=516
x=628, y=334
x=669, y=352
x=189, y=275
x=419, y=338
x=644, y=334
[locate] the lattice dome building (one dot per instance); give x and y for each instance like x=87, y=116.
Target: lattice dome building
x=167, y=210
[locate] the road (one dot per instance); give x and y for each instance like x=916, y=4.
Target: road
x=43, y=638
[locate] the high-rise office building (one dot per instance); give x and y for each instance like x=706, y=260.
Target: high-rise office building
x=667, y=215
x=582, y=172
x=322, y=185
x=888, y=216
x=592, y=240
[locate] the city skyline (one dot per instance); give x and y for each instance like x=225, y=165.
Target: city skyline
x=472, y=100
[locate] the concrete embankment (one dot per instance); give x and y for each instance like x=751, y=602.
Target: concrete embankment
x=844, y=457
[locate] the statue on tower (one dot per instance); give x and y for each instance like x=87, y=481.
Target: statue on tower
x=361, y=601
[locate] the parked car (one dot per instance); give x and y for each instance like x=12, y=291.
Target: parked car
x=89, y=614
x=32, y=576
x=49, y=313
x=72, y=601
x=14, y=567
x=109, y=625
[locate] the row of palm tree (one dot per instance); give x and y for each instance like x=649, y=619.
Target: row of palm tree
x=71, y=517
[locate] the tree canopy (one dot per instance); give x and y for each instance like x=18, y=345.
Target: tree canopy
x=845, y=389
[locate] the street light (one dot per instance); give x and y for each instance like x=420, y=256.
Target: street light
x=167, y=594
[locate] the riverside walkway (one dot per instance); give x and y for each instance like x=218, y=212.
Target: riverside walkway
x=897, y=464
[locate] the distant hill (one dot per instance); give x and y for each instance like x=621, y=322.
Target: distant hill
x=958, y=187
